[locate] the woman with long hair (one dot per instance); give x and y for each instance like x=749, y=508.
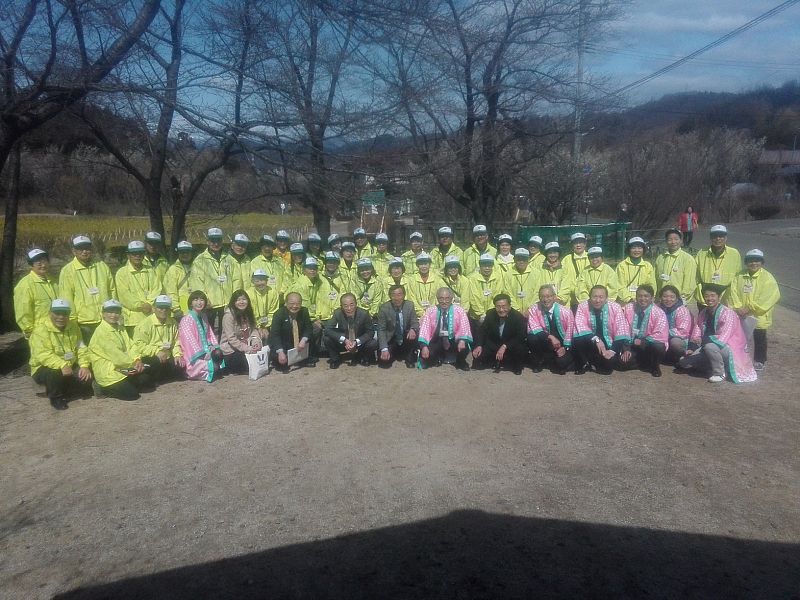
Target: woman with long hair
x=201, y=351
x=240, y=335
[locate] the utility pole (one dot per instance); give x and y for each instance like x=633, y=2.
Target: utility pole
x=576, y=139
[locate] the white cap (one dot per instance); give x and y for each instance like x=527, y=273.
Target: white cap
x=396, y=260
x=112, y=305
x=310, y=261
x=718, y=229
x=381, y=237
x=577, y=236
x=451, y=259
x=163, y=301
x=241, y=239
x=595, y=250
x=348, y=246
x=267, y=239
x=314, y=237
x=259, y=273
x=523, y=252
x=184, y=245
x=636, y=240
x=59, y=305
x=283, y=234
x=359, y=231
x=333, y=237
x=445, y=231
x=297, y=247
x=552, y=246
x=535, y=239
x=423, y=257
x=479, y=230
x=754, y=253
x=81, y=240
x=136, y=246
x=214, y=232
x=152, y=236
x=364, y=262
x=486, y=258
x=415, y=234
x=34, y=253
x=505, y=238
x=331, y=256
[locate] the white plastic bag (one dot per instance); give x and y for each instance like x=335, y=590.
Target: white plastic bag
x=258, y=363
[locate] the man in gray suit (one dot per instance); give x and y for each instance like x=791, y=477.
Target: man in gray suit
x=398, y=329
x=349, y=334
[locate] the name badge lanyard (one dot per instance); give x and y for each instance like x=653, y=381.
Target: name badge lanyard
x=635, y=277
x=92, y=284
x=524, y=281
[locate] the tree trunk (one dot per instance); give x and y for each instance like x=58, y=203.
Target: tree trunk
x=322, y=220
x=152, y=198
x=7, y=251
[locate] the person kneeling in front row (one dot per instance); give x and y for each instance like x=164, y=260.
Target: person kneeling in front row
x=601, y=333
x=117, y=368
x=155, y=339
x=349, y=334
x=398, y=329
x=550, y=327
x=59, y=358
x=444, y=333
x=240, y=335
x=503, y=338
x=291, y=330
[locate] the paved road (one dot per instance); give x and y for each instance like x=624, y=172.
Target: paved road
x=780, y=241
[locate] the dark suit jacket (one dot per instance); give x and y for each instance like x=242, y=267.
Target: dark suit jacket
x=514, y=333
x=280, y=334
x=386, y=322
x=337, y=326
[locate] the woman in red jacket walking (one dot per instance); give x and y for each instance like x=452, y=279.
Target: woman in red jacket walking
x=687, y=223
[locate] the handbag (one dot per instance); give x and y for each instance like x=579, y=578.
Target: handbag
x=258, y=363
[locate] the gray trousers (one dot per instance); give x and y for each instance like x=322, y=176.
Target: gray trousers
x=711, y=357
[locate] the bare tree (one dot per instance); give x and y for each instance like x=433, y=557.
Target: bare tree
x=53, y=54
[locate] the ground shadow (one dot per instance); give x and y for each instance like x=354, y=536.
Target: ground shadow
x=14, y=355
x=472, y=554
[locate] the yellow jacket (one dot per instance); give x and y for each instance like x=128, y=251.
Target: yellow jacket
x=369, y=294
x=217, y=278
x=176, y=286
x=364, y=252
x=437, y=257
x=273, y=267
x=86, y=288
x=159, y=265
x=631, y=276
x=483, y=292
x=472, y=255
x=32, y=298
x=590, y=277
x=562, y=279
x=265, y=304
x=151, y=336
x=462, y=291
x=522, y=287
x=54, y=348
x=717, y=269
x=316, y=296
x=291, y=275
x=423, y=293
x=388, y=281
x=678, y=269
x=575, y=264
x=380, y=262
x=110, y=349
x=135, y=288
x=410, y=261
x=758, y=292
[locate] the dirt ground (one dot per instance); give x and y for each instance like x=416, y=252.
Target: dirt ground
x=362, y=483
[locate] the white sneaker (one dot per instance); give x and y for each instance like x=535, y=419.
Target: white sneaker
x=716, y=379
x=759, y=366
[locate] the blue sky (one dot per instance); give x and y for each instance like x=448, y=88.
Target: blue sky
x=654, y=33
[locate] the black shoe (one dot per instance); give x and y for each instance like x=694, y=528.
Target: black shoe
x=517, y=370
x=334, y=364
x=58, y=403
x=385, y=364
x=656, y=371
x=536, y=368
x=580, y=369
x=605, y=371
x=411, y=365
x=312, y=361
x=462, y=365
x=365, y=362
x=497, y=368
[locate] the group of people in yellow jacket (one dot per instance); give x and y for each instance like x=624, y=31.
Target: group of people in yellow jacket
x=120, y=332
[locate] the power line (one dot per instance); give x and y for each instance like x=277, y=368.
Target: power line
x=731, y=34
